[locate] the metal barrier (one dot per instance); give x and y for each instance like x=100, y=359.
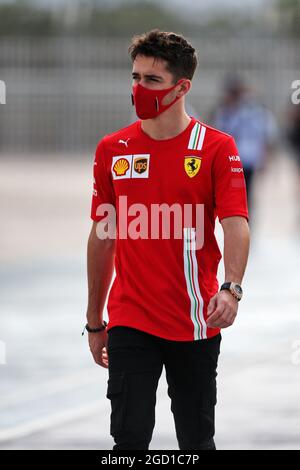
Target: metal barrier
x=64, y=94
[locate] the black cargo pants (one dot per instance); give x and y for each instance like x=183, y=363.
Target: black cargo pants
x=136, y=360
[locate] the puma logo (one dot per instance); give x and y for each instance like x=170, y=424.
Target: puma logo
x=125, y=142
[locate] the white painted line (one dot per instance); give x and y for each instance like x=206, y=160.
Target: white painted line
x=84, y=377
x=51, y=421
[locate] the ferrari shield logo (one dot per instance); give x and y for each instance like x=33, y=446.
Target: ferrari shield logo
x=192, y=165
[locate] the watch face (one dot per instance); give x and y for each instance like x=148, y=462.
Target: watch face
x=238, y=289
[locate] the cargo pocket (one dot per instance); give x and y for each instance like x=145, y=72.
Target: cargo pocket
x=116, y=393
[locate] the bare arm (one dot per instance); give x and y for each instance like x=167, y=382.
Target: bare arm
x=223, y=307
x=236, y=247
x=100, y=266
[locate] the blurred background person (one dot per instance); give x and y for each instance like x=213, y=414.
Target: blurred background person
x=293, y=135
x=250, y=123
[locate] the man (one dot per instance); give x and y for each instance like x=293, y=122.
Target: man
x=164, y=305
x=252, y=126
x=293, y=136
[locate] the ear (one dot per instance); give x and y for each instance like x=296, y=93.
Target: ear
x=184, y=86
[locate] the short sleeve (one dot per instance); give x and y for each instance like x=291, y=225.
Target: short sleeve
x=230, y=197
x=103, y=191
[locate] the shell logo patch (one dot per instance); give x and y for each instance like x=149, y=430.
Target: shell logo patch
x=192, y=165
x=121, y=166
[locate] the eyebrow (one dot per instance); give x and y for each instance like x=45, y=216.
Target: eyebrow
x=151, y=75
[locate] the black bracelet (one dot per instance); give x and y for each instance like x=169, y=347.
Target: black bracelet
x=94, y=330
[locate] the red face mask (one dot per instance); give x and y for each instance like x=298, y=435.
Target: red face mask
x=148, y=103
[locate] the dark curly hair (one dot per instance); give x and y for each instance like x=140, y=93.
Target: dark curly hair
x=180, y=56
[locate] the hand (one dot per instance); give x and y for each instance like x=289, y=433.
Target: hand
x=222, y=310
x=98, y=348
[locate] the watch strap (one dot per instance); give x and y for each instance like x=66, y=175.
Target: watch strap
x=225, y=286
x=95, y=330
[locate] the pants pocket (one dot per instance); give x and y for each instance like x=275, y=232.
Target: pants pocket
x=116, y=393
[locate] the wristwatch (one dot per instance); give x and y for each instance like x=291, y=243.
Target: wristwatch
x=95, y=330
x=234, y=288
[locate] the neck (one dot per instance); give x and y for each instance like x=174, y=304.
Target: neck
x=168, y=124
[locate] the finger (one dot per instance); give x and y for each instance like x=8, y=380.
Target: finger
x=105, y=359
x=211, y=306
x=99, y=360
x=102, y=364
x=220, y=324
x=105, y=355
x=232, y=318
x=216, y=315
x=226, y=324
x=225, y=320
x=218, y=318
x=105, y=366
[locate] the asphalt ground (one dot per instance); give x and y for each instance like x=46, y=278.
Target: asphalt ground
x=52, y=395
